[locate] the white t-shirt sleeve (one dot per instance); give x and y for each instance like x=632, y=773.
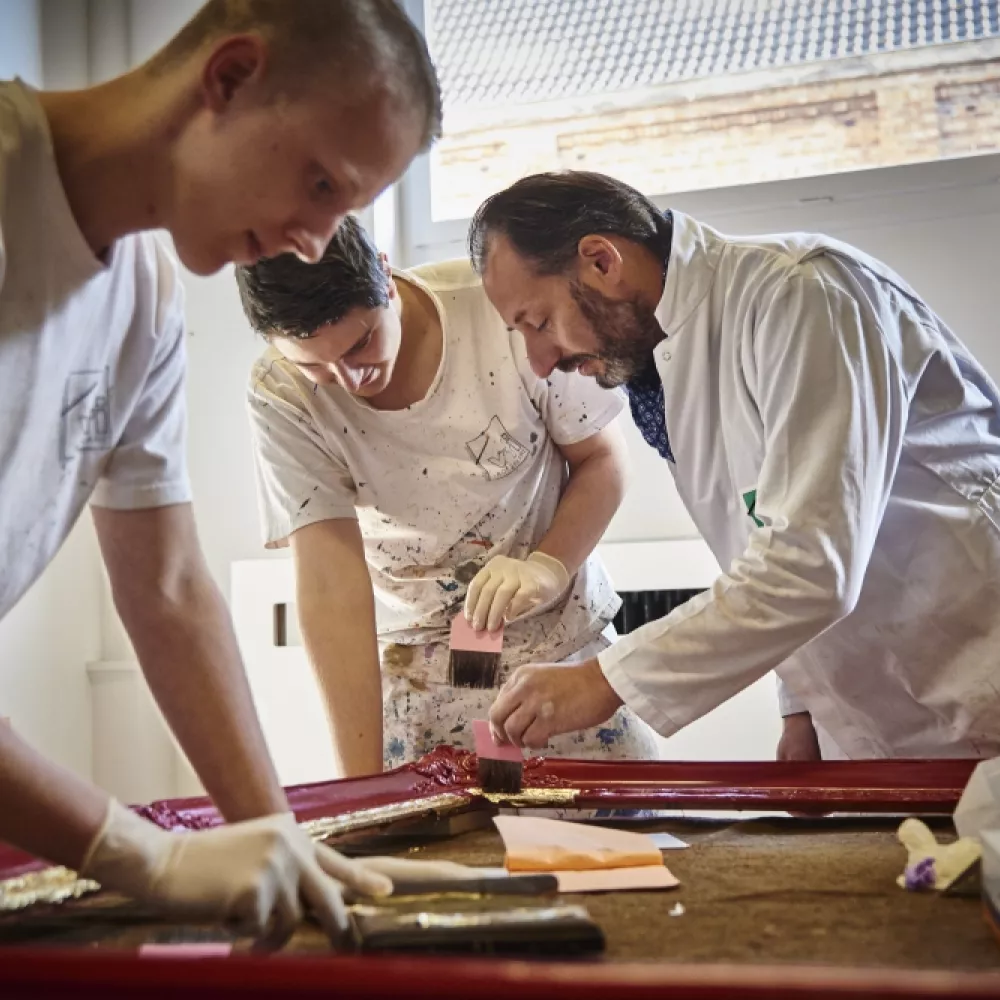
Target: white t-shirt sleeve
x=299, y=480
x=573, y=407
x=148, y=467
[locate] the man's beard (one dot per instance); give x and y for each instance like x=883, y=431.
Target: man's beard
x=627, y=332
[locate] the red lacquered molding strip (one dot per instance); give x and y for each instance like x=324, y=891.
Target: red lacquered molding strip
x=847, y=774
x=844, y=786
x=446, y=769
x=14, y=863
x=858, y=785
x=37, y=975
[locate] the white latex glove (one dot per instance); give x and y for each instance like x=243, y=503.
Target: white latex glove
x=950, y=860
x=508, y=588
x=254, y=875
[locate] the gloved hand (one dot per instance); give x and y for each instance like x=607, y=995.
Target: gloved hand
x=507, y=588
x=254, y=875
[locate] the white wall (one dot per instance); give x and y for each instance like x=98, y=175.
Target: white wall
x=221, y=350
x=21, y=41
x=153, y=22
x=65, y=58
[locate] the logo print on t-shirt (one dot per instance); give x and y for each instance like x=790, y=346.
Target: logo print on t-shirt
x=86, y=414
x=495, y=451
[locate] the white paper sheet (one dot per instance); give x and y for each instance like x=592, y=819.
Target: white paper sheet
x=667, y=841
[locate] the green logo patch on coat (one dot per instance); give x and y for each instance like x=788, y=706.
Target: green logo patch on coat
x=750, y=499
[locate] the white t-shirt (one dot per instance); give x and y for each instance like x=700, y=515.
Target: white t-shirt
x=91, y=360
x=469, y=472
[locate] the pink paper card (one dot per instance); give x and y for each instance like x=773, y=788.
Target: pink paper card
x=534, y=844
x=617, y=879
x=195, y=949
x=464, y=636
x=487, y=747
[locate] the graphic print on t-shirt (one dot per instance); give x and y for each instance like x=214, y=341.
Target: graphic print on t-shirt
x=496, y=451
x=86, y=413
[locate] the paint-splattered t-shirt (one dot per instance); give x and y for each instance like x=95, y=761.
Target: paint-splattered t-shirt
x=469, y=472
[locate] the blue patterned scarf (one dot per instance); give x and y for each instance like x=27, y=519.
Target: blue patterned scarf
x=645, y=393
x=645, y=399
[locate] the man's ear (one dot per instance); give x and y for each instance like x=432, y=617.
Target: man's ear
x=600, y=259
x=233, y=64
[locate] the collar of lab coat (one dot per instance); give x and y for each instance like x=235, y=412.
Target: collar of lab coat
x=694, y=256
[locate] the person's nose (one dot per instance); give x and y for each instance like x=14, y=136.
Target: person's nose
x=542, y=357
x=309, y=243
x=348, y=376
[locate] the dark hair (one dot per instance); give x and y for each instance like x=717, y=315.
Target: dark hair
x=546, y=215
x=286, y=297
x=372, y=39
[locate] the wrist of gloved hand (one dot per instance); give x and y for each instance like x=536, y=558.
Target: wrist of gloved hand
x=554, y=568
x=544, y=579
x=127, y=853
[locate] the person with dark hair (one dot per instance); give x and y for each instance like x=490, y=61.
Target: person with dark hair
x=416, y=467
x=835, y=443
x=255, y=131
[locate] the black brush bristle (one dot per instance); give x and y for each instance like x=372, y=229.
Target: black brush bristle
x=471, y=668
x=500, y=776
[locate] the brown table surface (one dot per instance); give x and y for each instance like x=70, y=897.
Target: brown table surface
x=766, y=890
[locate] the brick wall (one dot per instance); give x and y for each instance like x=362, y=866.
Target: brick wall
x=777, y=133
x=968, y=115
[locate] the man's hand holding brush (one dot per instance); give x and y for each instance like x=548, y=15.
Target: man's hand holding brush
x=543, y=700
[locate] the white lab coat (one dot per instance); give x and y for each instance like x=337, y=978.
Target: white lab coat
x=839, y=449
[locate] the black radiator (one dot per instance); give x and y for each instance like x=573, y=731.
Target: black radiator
x=641, y=606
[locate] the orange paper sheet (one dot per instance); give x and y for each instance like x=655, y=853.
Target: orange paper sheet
x=552, y=845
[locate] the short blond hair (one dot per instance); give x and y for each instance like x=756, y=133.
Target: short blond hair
x=364, y=41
